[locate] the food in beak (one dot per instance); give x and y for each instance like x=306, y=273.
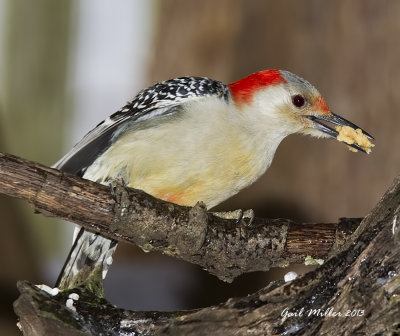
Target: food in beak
x=354, y=136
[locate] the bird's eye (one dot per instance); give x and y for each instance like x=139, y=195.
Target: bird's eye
x=298, y=101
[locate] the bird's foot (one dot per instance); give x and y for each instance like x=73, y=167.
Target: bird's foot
x=113, y=184
x=238, y=215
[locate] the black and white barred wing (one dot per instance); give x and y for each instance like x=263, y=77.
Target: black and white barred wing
x=161, y=99
x=90, y=250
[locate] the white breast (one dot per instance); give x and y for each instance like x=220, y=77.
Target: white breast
x=204, y=153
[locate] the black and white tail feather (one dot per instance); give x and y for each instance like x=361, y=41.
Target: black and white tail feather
x=91, y=252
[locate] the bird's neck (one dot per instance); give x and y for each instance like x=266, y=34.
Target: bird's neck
x=262, y=138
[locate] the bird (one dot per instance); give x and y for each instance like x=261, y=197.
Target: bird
x=192, y=139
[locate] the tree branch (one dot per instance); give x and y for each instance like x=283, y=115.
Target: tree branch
x=223, y=247
x=356, y=291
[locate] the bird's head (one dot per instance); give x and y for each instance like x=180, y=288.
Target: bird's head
x=289, y=104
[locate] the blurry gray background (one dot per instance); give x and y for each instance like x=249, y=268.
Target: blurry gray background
x=66, y=65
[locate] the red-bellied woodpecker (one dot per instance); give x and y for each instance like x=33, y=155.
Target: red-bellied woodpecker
x=193, y=139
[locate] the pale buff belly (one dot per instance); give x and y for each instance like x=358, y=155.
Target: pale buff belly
x=180, y=167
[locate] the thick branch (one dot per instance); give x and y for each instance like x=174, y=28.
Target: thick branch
x=356, y=292
x=223, y=247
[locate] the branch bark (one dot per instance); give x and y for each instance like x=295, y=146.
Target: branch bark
x=225, y=248
x=356, y=291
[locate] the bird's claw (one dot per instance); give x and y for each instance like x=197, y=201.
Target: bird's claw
x=249, y=215
x=114, y=184
x=238, y=215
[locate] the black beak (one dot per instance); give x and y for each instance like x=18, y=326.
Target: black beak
x=336, y=120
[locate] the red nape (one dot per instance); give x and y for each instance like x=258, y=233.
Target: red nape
x=242, y=91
